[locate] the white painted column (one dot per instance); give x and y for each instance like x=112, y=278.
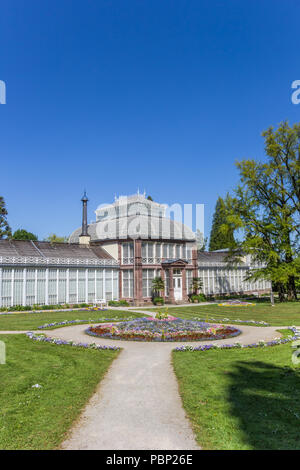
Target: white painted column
x=57, y=276
x=35, y=286
x=68, y=286
x=104, y=288
x=12, y=286
x=208, y=281
x=47, y=287
x=86, y=286
x=0, y=287
x=77, y=286
x=24, y=287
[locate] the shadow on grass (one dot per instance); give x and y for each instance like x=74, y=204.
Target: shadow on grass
x=266, y=400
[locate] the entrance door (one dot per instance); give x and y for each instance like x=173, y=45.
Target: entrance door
x=177, y=281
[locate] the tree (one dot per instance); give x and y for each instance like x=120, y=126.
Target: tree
x=266, y=206
x=158, y=285
x=22, y=234
x=201, y=240
x=5, y=230
x=53, y=238
x=149, y=198
x=220, y=240
x=196, y=284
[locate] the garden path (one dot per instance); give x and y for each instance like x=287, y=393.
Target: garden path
x=137, y=405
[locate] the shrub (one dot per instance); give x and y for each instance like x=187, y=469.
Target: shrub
x=201, y=298
x=158, y=300
x=118, y=303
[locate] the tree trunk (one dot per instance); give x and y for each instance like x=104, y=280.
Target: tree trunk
x=281, y=292
x=291, y=289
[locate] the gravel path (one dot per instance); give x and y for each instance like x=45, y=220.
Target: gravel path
x=137, y=405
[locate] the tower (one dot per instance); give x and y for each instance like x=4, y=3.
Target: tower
x=84, y=238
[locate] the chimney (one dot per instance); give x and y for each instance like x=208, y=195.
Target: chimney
x=84, y=238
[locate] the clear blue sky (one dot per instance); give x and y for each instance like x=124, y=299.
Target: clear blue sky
x=156, y=94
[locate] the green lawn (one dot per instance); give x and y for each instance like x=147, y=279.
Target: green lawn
x=241, y=398
x=282, y=314
x=30, y=321
x=38, y=418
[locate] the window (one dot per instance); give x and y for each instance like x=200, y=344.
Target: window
x=189, y=280
x=148, y=276
x=127, y=284
x=127, y=250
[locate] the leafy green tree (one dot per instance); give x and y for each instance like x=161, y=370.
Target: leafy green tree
x=219, y=239
x=5, y=230
x=53, y=238
x=149, y=198
x=196, y=284
x=158, y=285
x=266, y=207
x=22, y=234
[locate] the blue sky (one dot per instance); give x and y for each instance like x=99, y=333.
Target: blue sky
x=156, y=94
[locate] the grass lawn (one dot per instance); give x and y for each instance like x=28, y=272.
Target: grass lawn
x=38, y=418
x=282, y=314
x=30, y=321
x=241, y=398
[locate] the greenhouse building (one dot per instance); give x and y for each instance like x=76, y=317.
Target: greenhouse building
x=131, y=242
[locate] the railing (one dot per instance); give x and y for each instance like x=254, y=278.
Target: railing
x=208, y=264
x=154, y=260
x=127, y=260
x=36, y=260
x=151, y=260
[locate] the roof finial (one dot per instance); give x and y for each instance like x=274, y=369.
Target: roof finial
x=84, y=197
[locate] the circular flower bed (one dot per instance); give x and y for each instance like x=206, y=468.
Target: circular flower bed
x=236, y=303
x=144, y=329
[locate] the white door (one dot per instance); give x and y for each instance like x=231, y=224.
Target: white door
x=177, y=288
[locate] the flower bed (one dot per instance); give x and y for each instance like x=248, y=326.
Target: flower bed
x=259, y=344
x=233, y=320
x=76, y=322
x=236, y=303
x=59, y=342
x=147, y=329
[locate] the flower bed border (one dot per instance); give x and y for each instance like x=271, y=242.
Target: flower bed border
x=47, y=339
x=227, y=320
x=225, y=304
x=159, y=339
x=237, y=345
x=77, y=322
